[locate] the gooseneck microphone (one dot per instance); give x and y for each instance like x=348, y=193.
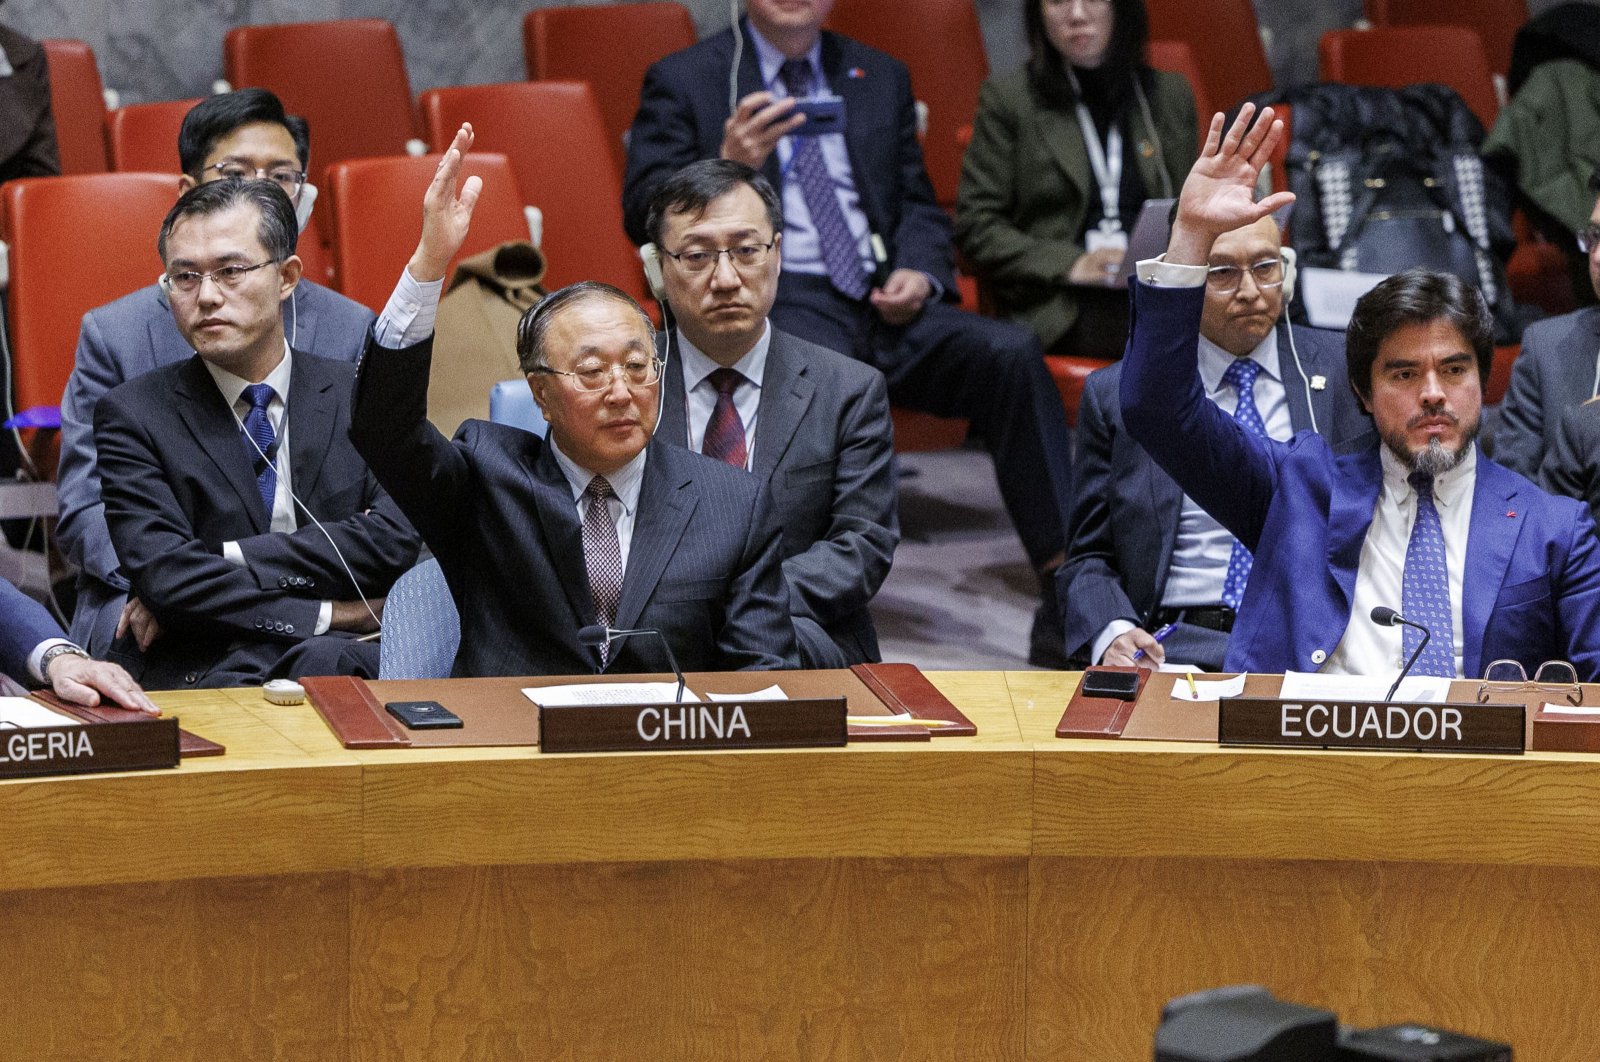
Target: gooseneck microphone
x=597, y=634
x=1384, y=616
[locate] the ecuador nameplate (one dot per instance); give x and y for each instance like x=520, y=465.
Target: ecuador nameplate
x=1393, y=725
x=816, y=723
x=134, y=746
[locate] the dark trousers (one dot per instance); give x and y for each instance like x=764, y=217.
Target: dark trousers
x=956, y=364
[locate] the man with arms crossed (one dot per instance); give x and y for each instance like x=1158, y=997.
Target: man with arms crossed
x=811, y=423
x=1491, y=565
x=597, y=524
x=244, y=133
x=1142, y=555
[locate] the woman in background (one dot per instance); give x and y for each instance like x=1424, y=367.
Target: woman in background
x=1064, y=153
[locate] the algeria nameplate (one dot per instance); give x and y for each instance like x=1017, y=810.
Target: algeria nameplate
x=132, y=746
x=1393, y=725
x=818, y=723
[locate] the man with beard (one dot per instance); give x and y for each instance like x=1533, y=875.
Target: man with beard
x=1494, y=567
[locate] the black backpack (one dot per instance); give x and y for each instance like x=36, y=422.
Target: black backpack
x=1387, y=179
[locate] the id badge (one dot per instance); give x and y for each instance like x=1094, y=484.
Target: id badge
x=1098, y=239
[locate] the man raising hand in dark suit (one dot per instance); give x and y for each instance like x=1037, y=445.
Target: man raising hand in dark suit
x=811, y=423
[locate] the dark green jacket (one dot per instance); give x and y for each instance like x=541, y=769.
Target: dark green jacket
x=1026, y=188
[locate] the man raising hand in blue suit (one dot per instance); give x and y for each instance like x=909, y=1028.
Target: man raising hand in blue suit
x=1422, y=522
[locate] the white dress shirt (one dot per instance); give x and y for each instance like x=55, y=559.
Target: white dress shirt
x=1366, y=648
x=625, y=483
x=700, y=395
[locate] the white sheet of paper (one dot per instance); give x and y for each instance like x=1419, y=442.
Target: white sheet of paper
x=21, y=712
x=1208, y=689
x=608, y=693
x=771, y=693
x=1568, y=709
x=1330, y=295
x=1308, y=685
x=1180, y=669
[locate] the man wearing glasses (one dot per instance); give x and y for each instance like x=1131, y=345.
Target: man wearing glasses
x=237, y=134
x=598, y=525
x=255, y=540
x=812, y=424
x=1142, y=556
x=1558, y=368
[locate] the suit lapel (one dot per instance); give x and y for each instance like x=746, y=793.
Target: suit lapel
x=663, y=513
x=558, y=519
x=1166, y=506
x=750, y=81
x=206, y=416
x=312, y=413
x=785, y=396
x=1064, y=140
x=1357, y=478
x=1294, y=388
x=674, y=425
x=1491, y=539
x=861, y=96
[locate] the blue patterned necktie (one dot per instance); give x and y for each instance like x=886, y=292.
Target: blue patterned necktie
x=827, y=216
x=1425, y=587
x=259, y=427
x=1241, y=375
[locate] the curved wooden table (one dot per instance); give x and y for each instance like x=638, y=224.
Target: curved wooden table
x=1004, y=896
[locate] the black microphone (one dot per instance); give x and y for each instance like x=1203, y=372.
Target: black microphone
x=1384, y=616
x=598, y=634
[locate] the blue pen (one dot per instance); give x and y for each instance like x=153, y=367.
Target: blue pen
x=1160, y=636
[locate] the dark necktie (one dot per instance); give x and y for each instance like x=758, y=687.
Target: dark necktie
x=827, y=216
x=1242, y=376
x=259, y=427
x=602, y=554
x=724, y=438
x=1425, y=587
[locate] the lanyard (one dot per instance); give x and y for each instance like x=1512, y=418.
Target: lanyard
x=1106, y=162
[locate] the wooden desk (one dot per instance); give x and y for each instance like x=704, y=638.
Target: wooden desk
x=1004, y=896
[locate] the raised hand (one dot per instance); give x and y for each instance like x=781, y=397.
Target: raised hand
x=1219, y=194
x=446, y=211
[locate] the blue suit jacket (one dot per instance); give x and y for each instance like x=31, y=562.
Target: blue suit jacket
x=24, y=623
x=498, y=513
x=1125, y=512
x=825, y=450
x=116, y=343
x=685, y=101
x=1531, y=591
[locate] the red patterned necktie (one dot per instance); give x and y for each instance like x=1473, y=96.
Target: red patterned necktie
x=725, y=431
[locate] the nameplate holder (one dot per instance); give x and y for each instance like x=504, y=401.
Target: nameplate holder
x=1393, y=726
x=134, y=746
x=796, y=724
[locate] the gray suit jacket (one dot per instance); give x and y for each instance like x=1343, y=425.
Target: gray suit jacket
x=824, y=448
x=1125, y=512
x=1555, y=371
x=496, y=510
x=125, y=339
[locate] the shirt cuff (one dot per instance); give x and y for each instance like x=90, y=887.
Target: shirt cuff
x=937, y=293
x=36, y=657
x=1114, y=630
x=233, y=554
x=324, y=618
x=410, y=313
x=1159, y=273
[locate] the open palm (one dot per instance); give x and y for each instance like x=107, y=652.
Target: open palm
x=1219, y=194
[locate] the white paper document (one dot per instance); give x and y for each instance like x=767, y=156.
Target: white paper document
x=1181, y=669
x=1310, y=686
x=608, y=693
x=1330, y=295
x=1569, y=709
x=771, y=693
x=21, y=712
x=1208, y=689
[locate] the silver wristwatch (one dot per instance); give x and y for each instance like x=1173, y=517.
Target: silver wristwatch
x=58, y=650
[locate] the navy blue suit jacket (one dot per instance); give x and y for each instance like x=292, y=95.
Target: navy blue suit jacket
x=1125, y=513
x=497, y=511
x=825, y=450
x=1531, y=591
x=685, y=101
x=122, y=340
x=24, y=623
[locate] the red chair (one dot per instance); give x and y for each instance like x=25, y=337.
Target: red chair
x=66, y=260
x=376, y=207
x=1496, y=21
x=347, y=78
x=78, y=103
x=1069, y=372
x=916, y=432
x=610, y=47
x=942, y=44
x=1397, y=56
x=143, y=137
x=554, y=136
x=1176, y=57
x=1226, y=42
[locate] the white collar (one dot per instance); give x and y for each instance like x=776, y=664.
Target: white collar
x=233, y=386
x=625, y=481
x=1214, y=361
x=771, y=61
x=1448, y=487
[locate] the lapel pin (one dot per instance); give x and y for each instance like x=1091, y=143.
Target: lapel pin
x=856, y=73
x=1511, y=512
x=1319, y=383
